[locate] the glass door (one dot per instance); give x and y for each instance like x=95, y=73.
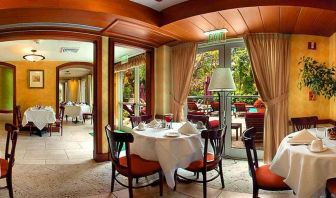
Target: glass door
x=240, y=103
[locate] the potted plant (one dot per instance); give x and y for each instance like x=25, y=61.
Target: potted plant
x=318, y=77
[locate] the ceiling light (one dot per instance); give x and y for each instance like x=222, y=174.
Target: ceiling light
x=216, y=31
x=33, y=57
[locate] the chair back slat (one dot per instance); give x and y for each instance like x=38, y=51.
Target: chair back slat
x=18, y=116
x=11, y=140
x=198, y=118
x=61, y=113
x=135, y=120
x=251, y=151
x=301, y=123
x=216, y=139
x=256, y=120
x=116, y=142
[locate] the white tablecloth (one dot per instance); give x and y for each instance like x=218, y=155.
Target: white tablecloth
x=305, y=172
x=76, y=110
x=171, y=153
x=40, y=117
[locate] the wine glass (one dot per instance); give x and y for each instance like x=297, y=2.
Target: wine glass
x=169, y=118
x=320, y=132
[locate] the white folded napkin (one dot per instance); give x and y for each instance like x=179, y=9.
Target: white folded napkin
x=303, y=137
x=153, y=123
x=188, y=128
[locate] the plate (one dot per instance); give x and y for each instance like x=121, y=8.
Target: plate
x=140, y=129
x=173, y=134
x=324, y=149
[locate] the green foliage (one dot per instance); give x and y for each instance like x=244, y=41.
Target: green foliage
x=242, y=72
x=205, y=65
x=318, y=77
x=128, y=82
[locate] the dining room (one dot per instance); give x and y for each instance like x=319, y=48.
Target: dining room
x=186, y=99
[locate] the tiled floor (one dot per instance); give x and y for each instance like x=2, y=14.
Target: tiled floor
x=75, y=145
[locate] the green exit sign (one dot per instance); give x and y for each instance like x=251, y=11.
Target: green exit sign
x=216, y=35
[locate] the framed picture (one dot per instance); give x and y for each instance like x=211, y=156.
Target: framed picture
x=36, y=79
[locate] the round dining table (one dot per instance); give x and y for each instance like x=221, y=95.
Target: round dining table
x=304, y=171
x=171, y=152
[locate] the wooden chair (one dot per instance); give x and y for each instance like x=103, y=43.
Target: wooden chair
x=256, y=120
x=301, y=123
x=8, y=163
x=262, y=176
x=18, y=120
x=204, y=119
x=58, y=125
x=88, y=115
x=210, y=161
x=331, y=187
x=135, y=120
x=130, y=166
x=130, y=111
x=240, y=108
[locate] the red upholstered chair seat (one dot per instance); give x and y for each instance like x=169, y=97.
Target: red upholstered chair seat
x=267, y=179
x=139, y=166
x=198, y=165
x=196, y=113
x=4, y=167
x=331, y=186
x=213, y=124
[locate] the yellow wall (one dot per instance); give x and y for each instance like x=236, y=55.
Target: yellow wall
x=299, y=104
x=27, y=97
x=162, y=78
x=73, y=89
x=332, y=61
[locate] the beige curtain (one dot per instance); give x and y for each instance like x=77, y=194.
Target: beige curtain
x=269, y=55
x=182, y=66
x=135, y=61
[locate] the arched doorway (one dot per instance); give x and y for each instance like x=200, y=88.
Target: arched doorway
x=84, y=65
x=7, y=89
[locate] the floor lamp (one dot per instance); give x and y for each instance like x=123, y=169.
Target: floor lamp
x=221, y=82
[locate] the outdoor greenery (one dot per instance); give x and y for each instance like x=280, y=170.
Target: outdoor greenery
x=129, y=81
x=206, y=62
x=205, y=65
x=242, y=72
x=318, y=77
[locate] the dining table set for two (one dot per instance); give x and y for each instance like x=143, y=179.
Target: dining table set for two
x=307, y=160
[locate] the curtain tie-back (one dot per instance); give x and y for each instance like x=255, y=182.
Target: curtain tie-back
x=176, y=101
x=276, y=100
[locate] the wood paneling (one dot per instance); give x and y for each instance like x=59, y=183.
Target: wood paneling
x=307, y=17
x=271, y=18
x=288, y=18
x=252, y=19
x=234, y=18
x=134, y=31
x=198, y=7
x=201, y=23
x=216, y=19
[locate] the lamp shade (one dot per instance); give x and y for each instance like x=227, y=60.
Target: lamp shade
x=222, y=80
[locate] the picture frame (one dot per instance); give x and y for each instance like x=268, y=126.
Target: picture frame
x=36, y=79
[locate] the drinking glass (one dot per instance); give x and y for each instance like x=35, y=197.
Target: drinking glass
x=169, y=118
x=321, y=132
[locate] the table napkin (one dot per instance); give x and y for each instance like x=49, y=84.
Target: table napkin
x=153, y=123
x=188, y=128
x=303, y=137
